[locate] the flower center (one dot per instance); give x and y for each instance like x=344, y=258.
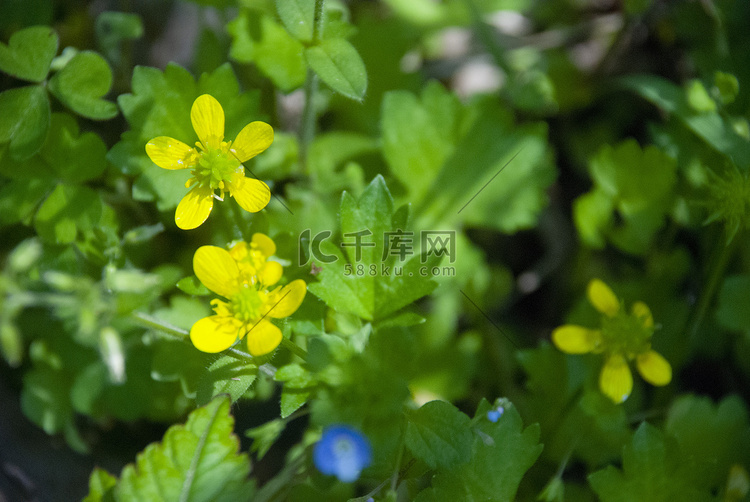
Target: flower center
x=343, y=448
x=625, y=334
x=246, y=304
x=215, y=166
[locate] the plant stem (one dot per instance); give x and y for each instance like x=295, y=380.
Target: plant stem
x=182, y=335
x=294, y=348
x=163, y=326
x=307, y=132
x=720, y=261
x=399, y=458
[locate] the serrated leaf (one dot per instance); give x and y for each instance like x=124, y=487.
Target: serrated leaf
x=466, y=165
x=298, y=17
x=439, y=435
x=419, y=135
x=637, y=184
x=101, y=484
x=651, y=470
x=501, y=454
x=24, y=120
x=68, y=210
x=340, y=66
x=264, y=436
x=195, y=462
x=226, y=375
x=29, y=53
x=362, y=281
x=712, y=437
x=81, y=83
x=298, y=385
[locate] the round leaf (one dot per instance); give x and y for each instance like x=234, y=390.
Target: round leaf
x=29, y=53
x=24, y=120
x=81, y=84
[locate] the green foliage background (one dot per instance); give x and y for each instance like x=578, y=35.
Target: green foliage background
x=559, y=141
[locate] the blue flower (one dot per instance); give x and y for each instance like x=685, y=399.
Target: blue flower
x=342, y=452
x=494, y=414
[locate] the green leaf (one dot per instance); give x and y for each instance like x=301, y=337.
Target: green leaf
x=419, y=135
x=20, y=198
x=29, y=53
x=727, y=86
x=81, y=84
x=636, y=184
x=298, y=17
x=44, y=399
x=298, y=385
x=698, y=97
x=264, y=436
x=501, y=454
x=24, y=120
x=101, y=484
x=192, y=286
x=439, y=435
x=68, y=210
x=466, y=165
x=258, y=39
x=226, y=375
x=717, y=132
x=179, y=361
x=711, y=437
x=72, y=156
x=113, y=28
x=651, y=470
x=340, y=66
x=195, y=462
x=360, y=281
x=66, y=155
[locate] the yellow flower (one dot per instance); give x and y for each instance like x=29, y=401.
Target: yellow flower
x=622, y=338
x=249, y=305
x=252, y=260
x=216, y=164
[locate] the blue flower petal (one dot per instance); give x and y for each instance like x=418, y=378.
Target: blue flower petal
x=342, y=452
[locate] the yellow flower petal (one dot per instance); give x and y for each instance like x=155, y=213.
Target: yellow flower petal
x=283, y=302
x=170, y=153
x=263, y=338
x=575, y=339
x=216, y=269
x=264, y=244
x=615, y=380
x=270, y=273
x=642, y=312
x=207, y=116
x=194, y=208
x=215, y=333
x=252, y=195
x=654, y=368
x=252, y=139
x=602, y=298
